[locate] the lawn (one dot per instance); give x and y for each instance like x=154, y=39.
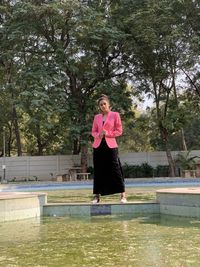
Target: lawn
x=85, y=195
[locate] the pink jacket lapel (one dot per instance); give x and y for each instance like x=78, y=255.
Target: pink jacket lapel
x=107, y=119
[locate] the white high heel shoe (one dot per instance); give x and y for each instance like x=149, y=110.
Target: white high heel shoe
x=123, y=200
x=96, y=199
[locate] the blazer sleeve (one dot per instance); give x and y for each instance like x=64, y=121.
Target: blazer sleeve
x=95, y=132
x=117, y=129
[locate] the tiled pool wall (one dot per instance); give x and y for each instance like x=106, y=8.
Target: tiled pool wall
x=135, y=208
x=183, y=202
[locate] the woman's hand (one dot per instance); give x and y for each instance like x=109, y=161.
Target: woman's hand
x=102, y=134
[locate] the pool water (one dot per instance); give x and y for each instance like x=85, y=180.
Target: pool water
x=120, y=241
x=89, y=184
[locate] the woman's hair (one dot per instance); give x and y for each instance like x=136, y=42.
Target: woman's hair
x=103, y=97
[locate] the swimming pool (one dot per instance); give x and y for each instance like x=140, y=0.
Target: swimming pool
x=109, y=241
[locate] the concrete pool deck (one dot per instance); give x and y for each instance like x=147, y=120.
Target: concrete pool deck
x=179, y=201
x=175, y=201
x=21, y=205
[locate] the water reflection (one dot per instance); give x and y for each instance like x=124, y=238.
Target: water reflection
x=20, y=231
x=120, y=241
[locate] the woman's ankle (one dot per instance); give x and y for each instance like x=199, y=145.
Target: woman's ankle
x=123, y=195
x=96, y=199
x=123, y=198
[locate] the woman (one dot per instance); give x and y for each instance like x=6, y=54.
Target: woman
x=108, y=177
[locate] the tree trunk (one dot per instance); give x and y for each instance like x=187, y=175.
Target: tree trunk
x=40, y=148
x=39, y=142
x=164, y=136
x=171, y=163
x=76, y=147
x=17, y=132
x=84, y=153
x=183, y=141
x=9, y=140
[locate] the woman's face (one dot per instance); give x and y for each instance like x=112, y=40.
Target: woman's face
x=104, y=106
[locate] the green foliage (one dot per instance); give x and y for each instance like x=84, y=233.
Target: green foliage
x=184, y=161
x=136, y=136
x=90, y=169
x=140, y=171
x=145, y=171
x=64, y=60
x=161, y=171
x=137, y=171
x=57, y=57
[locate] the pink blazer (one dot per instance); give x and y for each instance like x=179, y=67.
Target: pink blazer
x=112, y=126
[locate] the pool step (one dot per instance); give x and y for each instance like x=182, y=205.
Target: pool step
x=84, y=209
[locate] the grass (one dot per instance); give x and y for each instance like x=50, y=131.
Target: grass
x=85, y=195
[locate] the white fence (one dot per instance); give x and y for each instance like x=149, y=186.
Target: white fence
x=45, y=168
x=37, y=167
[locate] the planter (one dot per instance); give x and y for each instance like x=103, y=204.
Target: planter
x=188, y=173
x=197, y=165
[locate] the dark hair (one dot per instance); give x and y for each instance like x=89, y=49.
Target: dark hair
x=103, y=97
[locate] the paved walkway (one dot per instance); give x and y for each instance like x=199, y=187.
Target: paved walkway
x=130, y=182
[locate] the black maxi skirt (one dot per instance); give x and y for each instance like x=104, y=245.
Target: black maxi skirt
x=108, y=176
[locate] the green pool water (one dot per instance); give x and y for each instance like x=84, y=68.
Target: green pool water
x=119, y=241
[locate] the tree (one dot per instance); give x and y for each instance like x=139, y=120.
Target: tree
x=64, y=53
x=9, y=67
x=157, y=47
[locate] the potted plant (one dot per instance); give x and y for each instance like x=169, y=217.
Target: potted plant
x=186, y=163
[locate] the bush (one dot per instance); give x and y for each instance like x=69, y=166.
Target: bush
x=144, y=171
x=137, y=171
x=161, y=171
x=140, y=171
x=90, y=169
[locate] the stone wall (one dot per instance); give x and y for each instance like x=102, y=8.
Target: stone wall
x=47, y=167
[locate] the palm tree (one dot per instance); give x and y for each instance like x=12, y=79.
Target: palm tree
x=186, y=163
